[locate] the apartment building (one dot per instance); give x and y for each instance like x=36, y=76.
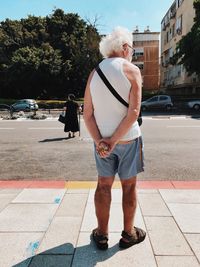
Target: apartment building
x=177, y=22
x=146, y=57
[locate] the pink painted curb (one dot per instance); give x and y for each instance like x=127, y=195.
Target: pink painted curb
x=63, y=184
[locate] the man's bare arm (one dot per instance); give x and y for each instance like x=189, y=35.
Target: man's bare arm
x=88, y=113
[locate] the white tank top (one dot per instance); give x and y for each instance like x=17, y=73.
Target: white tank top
x=108, y=111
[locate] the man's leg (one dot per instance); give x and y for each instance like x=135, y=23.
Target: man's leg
x=129, y=203
x=102, y=201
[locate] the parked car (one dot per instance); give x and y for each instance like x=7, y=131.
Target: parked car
x=4, y=107
x=193, y=104
x=157, y=102
x=25, y=105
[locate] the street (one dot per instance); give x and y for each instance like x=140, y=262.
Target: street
x=40, y=150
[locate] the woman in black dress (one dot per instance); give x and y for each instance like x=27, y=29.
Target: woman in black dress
x=71, y=118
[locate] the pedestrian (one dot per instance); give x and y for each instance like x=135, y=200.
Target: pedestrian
x=116, y=134
x=71, y=119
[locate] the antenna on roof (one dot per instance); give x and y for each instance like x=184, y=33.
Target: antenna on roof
x=147, y=29
x=136, y=29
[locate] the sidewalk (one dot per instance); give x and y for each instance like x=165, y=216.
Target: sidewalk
x=48, y=224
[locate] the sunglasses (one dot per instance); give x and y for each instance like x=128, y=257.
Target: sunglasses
x=133, y=52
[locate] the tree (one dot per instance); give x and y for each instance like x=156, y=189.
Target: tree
x=47, y=57
x=188, y=49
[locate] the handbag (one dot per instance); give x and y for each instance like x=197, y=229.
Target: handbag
x=61, y=117
x=114, y=92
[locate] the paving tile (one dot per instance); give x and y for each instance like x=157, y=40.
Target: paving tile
x=147, y=191
x=40, y=196
x=17, y=248
x=116, y=196
x=91, y=195
x=51, y=261
x=166, y=237
x=180, y=195
x=10, y=191
x=61, y=236
x=116, y=218
x=72, y=205
x=77, y=191
x=187, y=216
x=47, y=184
x=140, y=255
x=5, y=199
x=177, y=261
x=194, y=241
x=27, y=217
x=153, y=205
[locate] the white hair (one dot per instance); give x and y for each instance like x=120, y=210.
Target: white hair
x=114, y=41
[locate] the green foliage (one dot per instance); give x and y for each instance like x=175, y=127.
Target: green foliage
x=188, y=49
x=46, y=57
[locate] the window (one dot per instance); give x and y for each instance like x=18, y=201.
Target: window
x=173, y=30
x=153, y=99
x=178, y=3
x=138, y=51
x=170, y=52
x=167, y=37
x=179, y=25
x=170, y=34
x=163, y=97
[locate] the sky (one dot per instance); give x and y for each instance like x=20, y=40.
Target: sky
x=110, y=13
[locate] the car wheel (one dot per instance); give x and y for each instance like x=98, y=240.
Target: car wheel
x=168, y=107
x=196, y=107
x=27, y=109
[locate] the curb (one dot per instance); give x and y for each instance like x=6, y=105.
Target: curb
x=92, y=184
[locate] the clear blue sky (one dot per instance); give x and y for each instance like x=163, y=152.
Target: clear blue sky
x=111, y=13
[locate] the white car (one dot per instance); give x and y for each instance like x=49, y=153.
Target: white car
x=24, y=105
x=194, y=104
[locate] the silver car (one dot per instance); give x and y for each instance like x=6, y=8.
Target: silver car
x=157, y=102
x=25, y=105
x=194, y=104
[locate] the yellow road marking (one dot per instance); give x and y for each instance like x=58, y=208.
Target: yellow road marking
x=86, y=184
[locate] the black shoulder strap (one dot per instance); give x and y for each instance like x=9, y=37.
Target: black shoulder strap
x=112, y=90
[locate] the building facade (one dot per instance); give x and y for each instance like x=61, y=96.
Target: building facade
x=177, y=22
x=146, y=57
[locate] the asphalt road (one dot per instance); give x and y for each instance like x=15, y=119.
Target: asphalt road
x=40, y=150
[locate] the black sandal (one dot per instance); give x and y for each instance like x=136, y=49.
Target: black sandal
x=133, y=239
x=101, y=241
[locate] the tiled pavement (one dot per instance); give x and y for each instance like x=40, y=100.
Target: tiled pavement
x=48, y=224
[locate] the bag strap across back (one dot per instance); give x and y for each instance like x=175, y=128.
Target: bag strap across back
x=110, y=87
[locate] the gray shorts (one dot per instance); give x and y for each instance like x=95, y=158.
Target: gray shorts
x=126, y=159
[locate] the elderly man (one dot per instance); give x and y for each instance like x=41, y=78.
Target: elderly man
x=116, y=133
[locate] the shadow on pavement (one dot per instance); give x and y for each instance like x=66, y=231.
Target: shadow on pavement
x=54, y=139
x=66, y=255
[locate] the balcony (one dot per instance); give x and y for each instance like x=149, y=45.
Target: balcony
x=173, y=10
x=179, y=31
x=172, y=14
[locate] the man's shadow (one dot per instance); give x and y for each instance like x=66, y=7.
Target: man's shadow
x=66, y=255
